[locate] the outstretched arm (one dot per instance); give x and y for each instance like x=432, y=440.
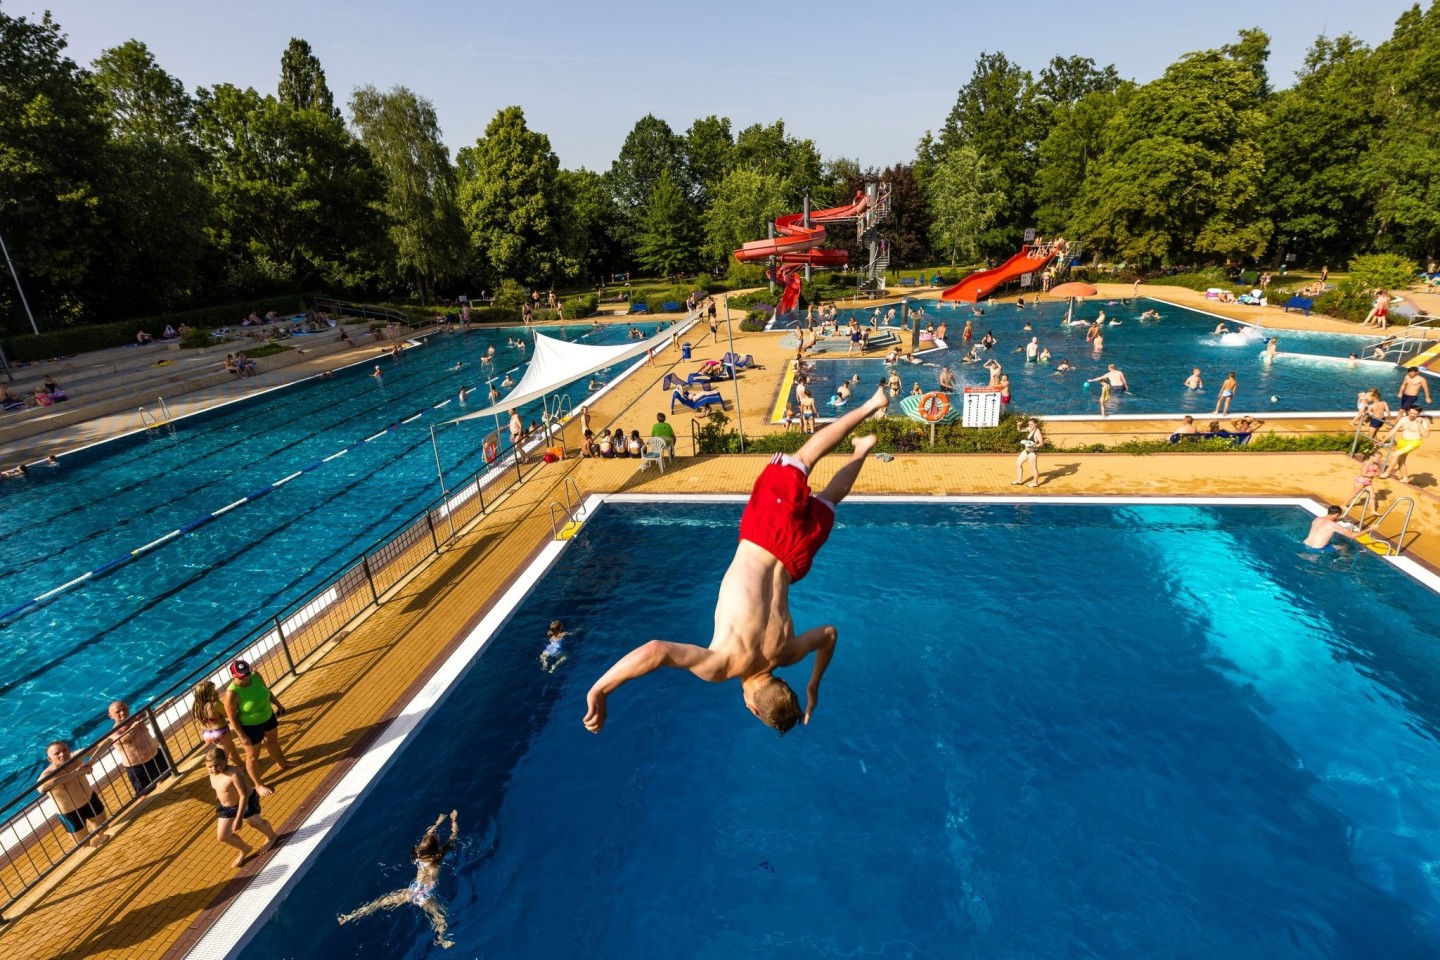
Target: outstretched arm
x=820, y=641
x=644, y=659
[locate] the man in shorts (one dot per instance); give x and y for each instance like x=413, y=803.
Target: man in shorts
x=237, y=802
x=1411, y=387
x=783, y=527
x=1323, y=529
x=66, y=782
x=140, y=755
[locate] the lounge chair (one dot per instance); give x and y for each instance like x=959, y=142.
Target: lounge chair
x=715, y=368
x=738, y=362
x=696, y=403
x=673, y=380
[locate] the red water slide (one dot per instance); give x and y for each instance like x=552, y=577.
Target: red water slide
x=974, y=287
x=794, y=247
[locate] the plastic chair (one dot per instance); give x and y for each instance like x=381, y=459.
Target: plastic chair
x=654, y=452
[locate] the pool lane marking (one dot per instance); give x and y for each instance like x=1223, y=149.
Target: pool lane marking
x=113, y=564
x=243, y=917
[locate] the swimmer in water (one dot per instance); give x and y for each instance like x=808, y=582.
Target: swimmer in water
x=1322, y=529
x=377, y=374
x=458, y=364
x=1221, y=329
x=783, y=527
x=1193, y=382
x=494, y=393
x=427, y=854
x=508, y=382
x=552, y=656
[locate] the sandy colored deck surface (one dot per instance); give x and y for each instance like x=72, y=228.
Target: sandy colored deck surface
x=150, y=892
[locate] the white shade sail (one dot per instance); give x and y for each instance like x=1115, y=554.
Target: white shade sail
x=558, y=362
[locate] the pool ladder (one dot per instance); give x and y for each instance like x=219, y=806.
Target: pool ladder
x=152, y=422
x=1378, y=544
x=571, y=511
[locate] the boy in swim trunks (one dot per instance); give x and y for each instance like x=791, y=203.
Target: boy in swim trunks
x=66, y=782
x=783, y=527
x=236, y=804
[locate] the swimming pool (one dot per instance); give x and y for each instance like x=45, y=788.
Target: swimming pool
x=135, y=631
x=1048, y=731
x=1312, y=372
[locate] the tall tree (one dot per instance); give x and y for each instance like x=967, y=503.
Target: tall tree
x=402, y=134
x=666, y=241
x=52, y=153
x=589, y=225
x=1075, y=141
x=767, y=150
x=1317, y=131
x=998, y=114
x=510, y=198
x=650, y=148
x=709, y=155
x=302, y=80
x=1183, y=166
x=746, y=201
x=297, y=198
x=154, y=205
x=963, y=195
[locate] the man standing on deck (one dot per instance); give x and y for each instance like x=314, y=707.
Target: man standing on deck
x=783, y=527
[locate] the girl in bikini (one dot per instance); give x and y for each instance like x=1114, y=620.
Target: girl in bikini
x=428, y=854
x=207, y=710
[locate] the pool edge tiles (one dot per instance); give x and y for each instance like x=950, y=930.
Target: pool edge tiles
x=233, y=927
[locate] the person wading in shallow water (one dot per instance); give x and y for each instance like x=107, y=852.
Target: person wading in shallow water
x=783, y=527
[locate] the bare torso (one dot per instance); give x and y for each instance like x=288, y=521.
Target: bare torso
x=70, y=791
x=227, y=788
x=753, y=629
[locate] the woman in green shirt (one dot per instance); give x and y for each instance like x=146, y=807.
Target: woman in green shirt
x=253, y=711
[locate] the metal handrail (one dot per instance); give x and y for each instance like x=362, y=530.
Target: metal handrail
x=555, y=528
x=1391, y=548
x=365, y=311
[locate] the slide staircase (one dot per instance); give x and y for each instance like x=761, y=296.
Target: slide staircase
x=981, y=283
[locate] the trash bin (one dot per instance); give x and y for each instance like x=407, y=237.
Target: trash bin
x=685, y=350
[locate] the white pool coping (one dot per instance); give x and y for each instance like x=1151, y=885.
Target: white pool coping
x=243, y=917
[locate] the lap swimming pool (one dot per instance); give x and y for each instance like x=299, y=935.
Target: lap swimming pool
x=1120, y=730
x=132, y=633
x=1312, y=372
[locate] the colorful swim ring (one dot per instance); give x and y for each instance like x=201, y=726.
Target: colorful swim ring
x=933, y=407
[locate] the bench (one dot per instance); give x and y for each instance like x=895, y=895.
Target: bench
x=639, y=308
x=908, y=281
x=670, y=306
x=1299, y=303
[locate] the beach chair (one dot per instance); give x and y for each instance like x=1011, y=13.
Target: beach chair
x=654, y=452
x=701, y=402
x=673, y=380
x=737, y=362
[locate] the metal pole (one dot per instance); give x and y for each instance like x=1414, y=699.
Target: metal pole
x=439, y=474
x=734, y=373
x=18, y=289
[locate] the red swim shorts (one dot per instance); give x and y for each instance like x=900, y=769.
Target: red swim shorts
x=784, y=518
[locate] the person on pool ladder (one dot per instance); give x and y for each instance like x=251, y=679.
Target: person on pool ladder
x=783, y=527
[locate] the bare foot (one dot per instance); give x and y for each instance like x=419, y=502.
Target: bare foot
x=241, y=858
x=880, y=401
x=862, y=445
x=269, y=845
x=264, y=790
x=286, y=765
x=100, y=839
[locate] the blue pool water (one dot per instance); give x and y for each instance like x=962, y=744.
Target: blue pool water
x=1048, y=731
x=134, y=632
x=1311, y=374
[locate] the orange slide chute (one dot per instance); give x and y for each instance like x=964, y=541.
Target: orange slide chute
x=974, y=287
x=794, y=247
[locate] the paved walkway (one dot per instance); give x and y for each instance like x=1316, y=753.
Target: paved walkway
x=163, y=878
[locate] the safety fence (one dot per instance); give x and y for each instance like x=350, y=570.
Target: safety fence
x=35, y=840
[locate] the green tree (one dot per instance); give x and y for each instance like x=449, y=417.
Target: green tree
x=999, y=114
x=402, y=134
x=52, y=154
x=1182, y=168
x=1314, y=182
x=964, y=196
x=650, y=148
x=746, y=202
x=1065, y=81
x=1075, y=141
x=666, y=241
x=1402, y=169
x=154, y=206
x=1383, y=271
x=589, y=225
x=509, y=199
x=709, y=155
x=302, y=80
x=767, y=150
x=297, y=198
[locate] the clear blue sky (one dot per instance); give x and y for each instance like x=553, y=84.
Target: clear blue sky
x=863, y=80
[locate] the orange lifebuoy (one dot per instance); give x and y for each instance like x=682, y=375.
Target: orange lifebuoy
x=934, y=406
x=492, y=450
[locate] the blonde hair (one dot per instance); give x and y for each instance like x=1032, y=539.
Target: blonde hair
x=206, y=703
x=777, y=706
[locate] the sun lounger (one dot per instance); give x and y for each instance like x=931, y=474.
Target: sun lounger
x=696, y=403
x=693, y=380
x=737, y=361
